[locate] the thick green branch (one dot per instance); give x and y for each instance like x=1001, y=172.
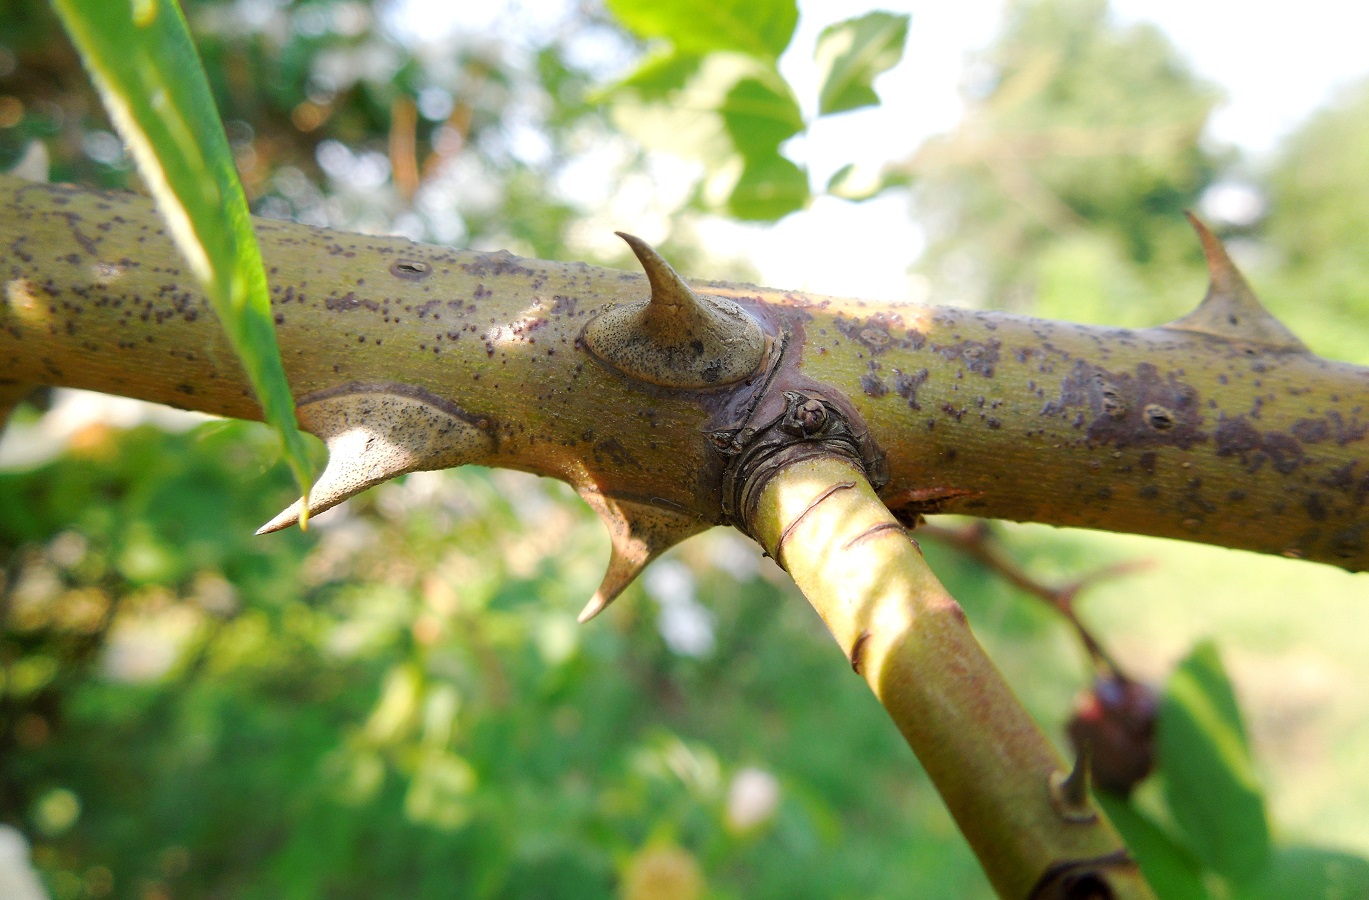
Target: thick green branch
x=1235, y=439
x=908, y=638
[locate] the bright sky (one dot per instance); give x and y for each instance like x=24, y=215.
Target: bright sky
x=1275, y=63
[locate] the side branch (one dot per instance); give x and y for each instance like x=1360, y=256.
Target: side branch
x=1034, y=830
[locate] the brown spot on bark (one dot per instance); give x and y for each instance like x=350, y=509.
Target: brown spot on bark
x=613, y=449
x=1348, y=543
x=980, y=357
x=1310, y=431
x=503, y=262
x=908, y=505
x=1332, y=426
x=1237, y=437
x=1315, y=505
x=906, y=385
x=1128, y=409
x=873, y=385
x=348, y=302
x=878, y=332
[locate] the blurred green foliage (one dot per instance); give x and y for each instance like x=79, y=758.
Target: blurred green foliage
x=1062, y=192
x=1318, y=224
x=713, y=94
x=398, y=703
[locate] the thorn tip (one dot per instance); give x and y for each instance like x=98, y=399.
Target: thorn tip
x=596, y=605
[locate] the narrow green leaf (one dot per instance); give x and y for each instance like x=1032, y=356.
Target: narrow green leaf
x=1311, y=873
x=850, y=54
x=760, y=117
x=140, y=55
x=769, y=189
x=1172, y=871
x=760, y=28
x=1210, y=782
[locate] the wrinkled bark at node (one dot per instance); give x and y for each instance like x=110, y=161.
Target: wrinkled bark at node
x=1208, y=429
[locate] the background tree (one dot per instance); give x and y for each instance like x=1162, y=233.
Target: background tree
x=409, y=645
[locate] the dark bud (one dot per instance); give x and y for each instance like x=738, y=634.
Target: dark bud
x=812, y=416
x=1116, y=718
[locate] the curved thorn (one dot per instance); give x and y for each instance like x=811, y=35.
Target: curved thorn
x=1069, y=792
x=676, y=338
x=356, y=460
x=1075, y=787
x=638, y=533
x=669, y=293
x=1230, y=309
x=375, y=433
x=1223, y=276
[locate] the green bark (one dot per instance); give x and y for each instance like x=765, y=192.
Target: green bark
x=1228, y=439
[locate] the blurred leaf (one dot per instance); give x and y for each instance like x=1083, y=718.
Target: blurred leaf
x=662, y=872
x=851, y=54
x=760, y=28
x=397, y=708
x=858, y=184
x=658, y=76
x=143, y=62
x=440, y=791
x=769, y=189
x=760, y=117
x=677, y=106
x=1172, y=871
x=1311, y=873
x=1210, y=783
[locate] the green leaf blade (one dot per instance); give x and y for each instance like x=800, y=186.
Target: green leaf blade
x=852, y=53
x=759, y=28
x=142, y=60
x=1210, y=782
x=1171, y=870
x=760, y=117
x=1312, y=872
x=770, y=188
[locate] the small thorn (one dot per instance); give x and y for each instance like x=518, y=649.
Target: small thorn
x=1069, y=791
x=1230, y=309
x=1075, y=787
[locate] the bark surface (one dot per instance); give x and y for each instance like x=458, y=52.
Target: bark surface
x=1219, y=428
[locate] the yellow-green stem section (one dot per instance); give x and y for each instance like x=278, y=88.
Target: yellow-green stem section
x=1154, y=431
x=909, y=639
